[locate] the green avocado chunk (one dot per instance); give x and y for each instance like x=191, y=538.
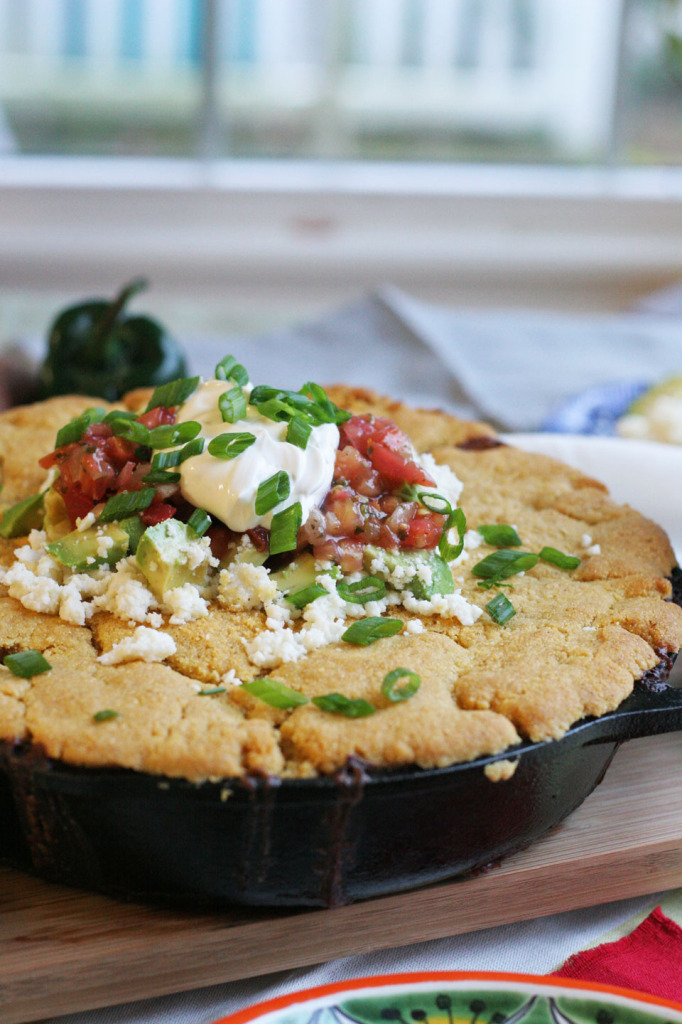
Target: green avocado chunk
x=23, y=517
x=84, y=550
x=163, y=555
x=298, y=575
x=390, y=561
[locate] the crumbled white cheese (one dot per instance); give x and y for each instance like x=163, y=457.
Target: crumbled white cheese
x=126, y=597
x=184, y=604
x=448, y=485
x=446, y=605
x=230, y=678
x=104, y=544
x=594, y=549
x=37, y=593
x=72, y=607
x=414, y=626
x=243, y=585
x=144, y=645
x=86, y=522
x=586, y=540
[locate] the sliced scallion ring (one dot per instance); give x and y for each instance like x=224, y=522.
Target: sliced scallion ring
x=284, y=529
x=395, y=693
x=364, y=632
x=500, y=535
x=105, y=715
x=229, y=369
x=502, y=564
x=124, y=504
x=559, y=559
x=272, y=492
x=199, y=521
x=174, y=393
x=229, y=446
x=304, y=596
x=370, y=588
x=26, y=664
x=129, y=429
x=168, y=459
x=435, y=502
x=456, y=520
x=274, y=693
x=232, y=405
x=75, y=428
x=500, y=609
x=170, y=434
x=338, y=704
x=298, y=432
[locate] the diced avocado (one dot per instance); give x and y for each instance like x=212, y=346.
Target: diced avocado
x=298, y=575
x=23, y=517
x=164, y=556
x=390, y=561
x=245, y=553
x=134, y=527
x=56, y=522
x=86, y=549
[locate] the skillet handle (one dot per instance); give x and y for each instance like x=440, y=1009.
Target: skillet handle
x=643, y=713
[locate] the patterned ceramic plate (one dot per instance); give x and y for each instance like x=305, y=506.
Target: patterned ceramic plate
x=596, y=410
x=466, y=997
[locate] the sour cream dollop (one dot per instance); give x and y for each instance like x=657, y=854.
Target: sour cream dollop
x=227, y=487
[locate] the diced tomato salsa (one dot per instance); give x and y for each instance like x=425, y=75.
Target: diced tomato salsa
x=100, y=465
x=364, y=506
x=366, y=503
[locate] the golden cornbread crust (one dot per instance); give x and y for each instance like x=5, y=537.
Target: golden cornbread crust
x=575, y=647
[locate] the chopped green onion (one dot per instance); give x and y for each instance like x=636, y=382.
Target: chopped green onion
x=278, y=410
x=26, y=664
x=371, y=588
x=264, y=393
x=500, y=609
x=395, y=693
x=106, y=715
x=298, y=432
x=212, y=691
x=75, y=428
x=431, y=501
x=272, y=491
x=23, y=517
x=170, y=434
x=456, y=519
x=167, y=459
x=174, y=393
x=229, y=446
x=364, y=632
x=274, y=693
x=161, y=476
x=337, y=704
x=325, y=409
x=304, y=596
x=119, y=414
x=232, y=405
x=559, y=558
x=199, y=521
x=502, y=564
x=229, y=369
x=122, y=505
x=500, y=535
x=284, y=529
x=131, y=430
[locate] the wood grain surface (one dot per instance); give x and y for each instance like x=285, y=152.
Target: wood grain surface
x=62, y=950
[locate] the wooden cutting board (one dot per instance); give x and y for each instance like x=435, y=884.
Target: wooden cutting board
x=62, y=950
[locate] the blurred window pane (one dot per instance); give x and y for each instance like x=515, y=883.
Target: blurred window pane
x=577, y=81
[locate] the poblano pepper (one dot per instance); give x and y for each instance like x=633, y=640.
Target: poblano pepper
x=96, y=348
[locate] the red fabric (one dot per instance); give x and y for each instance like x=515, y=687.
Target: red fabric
x=648, y=960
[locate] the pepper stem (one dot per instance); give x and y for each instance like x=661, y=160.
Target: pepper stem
x=108, y=318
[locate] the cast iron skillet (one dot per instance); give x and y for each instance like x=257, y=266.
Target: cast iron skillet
x=315, y=842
